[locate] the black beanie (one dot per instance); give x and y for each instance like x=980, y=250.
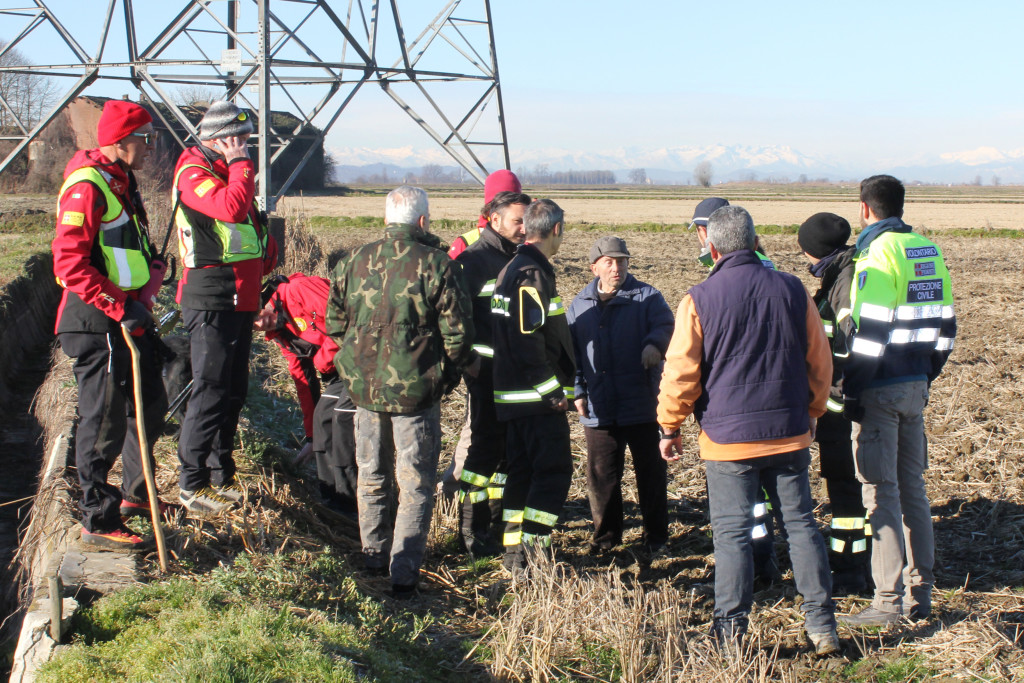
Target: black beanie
x=823, y=233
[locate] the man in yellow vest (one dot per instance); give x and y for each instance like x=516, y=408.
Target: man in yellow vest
x=225, y=251
x=103, y=257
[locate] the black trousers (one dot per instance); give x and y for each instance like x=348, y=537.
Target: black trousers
x=334, y=445
x=221, y=341
x=849, y=543
x=106, y=421
x=539, y=474
x=482, y=482
x=606, y=460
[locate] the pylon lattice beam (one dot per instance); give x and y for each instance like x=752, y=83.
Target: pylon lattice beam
x=302, y=55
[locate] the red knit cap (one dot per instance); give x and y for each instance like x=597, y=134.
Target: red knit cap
x=501, y=181
x=119, y=119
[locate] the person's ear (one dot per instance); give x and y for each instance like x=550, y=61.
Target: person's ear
x=715, y=254
x=865, y=211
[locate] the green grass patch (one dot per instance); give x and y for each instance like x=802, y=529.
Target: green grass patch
x=898, y=670
x=295, y=617
x=339, y=222
x=21, y=237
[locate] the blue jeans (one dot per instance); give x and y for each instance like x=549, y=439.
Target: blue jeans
x=733, y=488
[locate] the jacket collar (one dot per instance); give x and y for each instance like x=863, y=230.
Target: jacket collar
x=404, y=231
x=532, y=252
x=490, y=237
x=891, y=224
x=627, y=290
x=736, y=258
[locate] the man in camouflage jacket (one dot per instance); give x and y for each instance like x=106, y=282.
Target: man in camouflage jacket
x=403, y=320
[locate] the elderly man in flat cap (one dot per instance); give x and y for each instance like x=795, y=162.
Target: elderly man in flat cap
x=620, y=331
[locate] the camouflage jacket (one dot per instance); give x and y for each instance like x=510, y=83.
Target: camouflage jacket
x=403, y=320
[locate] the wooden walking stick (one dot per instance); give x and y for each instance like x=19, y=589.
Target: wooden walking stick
x=147, y=468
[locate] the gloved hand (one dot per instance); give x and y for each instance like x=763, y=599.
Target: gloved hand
x=650, y=356
x=149, y=291
x=852, y=409
x=136, y=317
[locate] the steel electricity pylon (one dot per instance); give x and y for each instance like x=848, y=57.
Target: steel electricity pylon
x=307, y=57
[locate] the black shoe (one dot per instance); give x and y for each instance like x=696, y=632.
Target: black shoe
x=653, y=550
x=376, y=565
x=403, y=591
x=483, y=548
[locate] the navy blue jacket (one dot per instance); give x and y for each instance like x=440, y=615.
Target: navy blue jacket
x=608, y=342
x=754, y=372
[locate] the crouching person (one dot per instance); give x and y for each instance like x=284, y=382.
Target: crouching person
x=294, y=316
x=749, y=359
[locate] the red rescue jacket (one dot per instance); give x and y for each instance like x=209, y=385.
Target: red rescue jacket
x=302, y=304
x=222, y=192
x=91, y=302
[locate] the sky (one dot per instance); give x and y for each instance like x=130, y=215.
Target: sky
x=867, y=82
x=858, y=80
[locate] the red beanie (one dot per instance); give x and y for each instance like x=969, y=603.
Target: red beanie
x=501, y=181
x=119, y=119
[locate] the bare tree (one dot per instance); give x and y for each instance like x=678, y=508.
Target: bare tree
x=638, y=176
x=703, y=173
x=29, y=96
x=192, y=95
x=432, y=173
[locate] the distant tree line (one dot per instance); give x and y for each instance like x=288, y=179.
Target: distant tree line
x=540, y=175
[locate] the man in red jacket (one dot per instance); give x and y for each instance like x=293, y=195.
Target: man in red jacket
x=294, y=310
x=225, y=251
x=103, y=258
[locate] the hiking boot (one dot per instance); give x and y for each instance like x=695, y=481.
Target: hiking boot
x=232, y=491
x=869, y=616
x=121, y=540
x=131, y=508
x=205, y=502
x=824, y=643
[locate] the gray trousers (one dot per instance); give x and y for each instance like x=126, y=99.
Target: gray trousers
x=400, y=450
x=891, y=455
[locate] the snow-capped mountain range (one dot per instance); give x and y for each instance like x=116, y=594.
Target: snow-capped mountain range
x=674, y=165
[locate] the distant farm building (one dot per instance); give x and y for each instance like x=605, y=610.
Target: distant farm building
x=83, y=113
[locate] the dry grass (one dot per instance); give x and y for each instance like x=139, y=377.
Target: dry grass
x=626, y=617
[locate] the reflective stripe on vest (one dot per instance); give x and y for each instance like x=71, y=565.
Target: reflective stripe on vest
x=121, y=238
x=471, y=236
x=238, y=241
x=901, y=296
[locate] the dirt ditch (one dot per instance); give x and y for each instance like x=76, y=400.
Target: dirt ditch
x=28, y=306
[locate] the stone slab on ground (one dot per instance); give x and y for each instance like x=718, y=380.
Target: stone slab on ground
x=99, y=571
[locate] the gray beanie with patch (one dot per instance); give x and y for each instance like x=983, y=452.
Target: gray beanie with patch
x=223, y=119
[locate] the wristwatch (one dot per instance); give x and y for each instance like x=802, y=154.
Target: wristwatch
x=670, y=436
